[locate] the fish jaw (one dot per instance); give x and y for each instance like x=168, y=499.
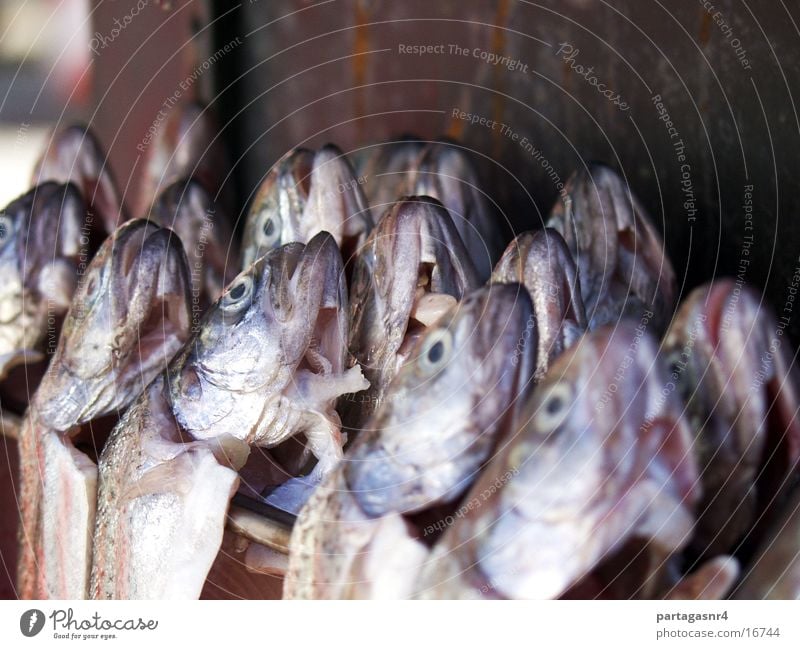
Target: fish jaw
x=388, y=567
x=444, y=172
x=129, y=316
x=622, y=265
x=336, y=202
x=75, y=155
x=187, y=208
x=542, y=262
x=412, y=259
x=388, y=170
x=398, y=465
x=39, y=266
x=282, y=354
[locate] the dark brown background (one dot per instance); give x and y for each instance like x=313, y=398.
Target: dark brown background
x=308, y=73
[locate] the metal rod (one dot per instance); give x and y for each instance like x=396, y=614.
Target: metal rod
x=261, y=523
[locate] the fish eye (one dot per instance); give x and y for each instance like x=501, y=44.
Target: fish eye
x=270, y=230
x=554, y=409
x=436, y=350
x=238, y=294
x=6, y=226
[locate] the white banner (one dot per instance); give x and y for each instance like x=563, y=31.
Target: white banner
x=588, y=624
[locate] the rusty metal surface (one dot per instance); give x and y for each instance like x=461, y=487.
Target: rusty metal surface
x=141, y=55
x=320, y=71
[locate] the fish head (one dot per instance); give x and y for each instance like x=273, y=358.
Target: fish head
x=336, y=202
x=603, y=455
x=283, y=315
x=622, y=265
x=542, y=262
x=275, y=217
x=387, y=169
x=74, y=154
x=55, y=242
x=40, y=246
x=411, y=270
x=129, y=316
x=443, y=413
x=445, y=172
x=727, y=355
x=304, y=194
x=188, y=209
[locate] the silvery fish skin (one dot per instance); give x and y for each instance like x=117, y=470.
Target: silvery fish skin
x=187, y=144
x=304, y=194
x=40, y=248
x=444, y=172
x=387, y=170
x=412, y=269
x=542, y=262
x=735, y=372
x=186, y=208
x=590, y=469
x=620, y=275
x=774, y=572
x=74, y=154
x=129, y=316
x=268, y=362
x=443, y=414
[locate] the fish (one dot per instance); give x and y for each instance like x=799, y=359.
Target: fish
x=735, y=372
x=623, y=268
x=412, y=269
x=542, y=262
x=306, y=193
x=444, y=171
x=267, y=363
x=186, y=143
x=129, y=316
x=387, y=170
x=774, y=572
x=410, y=166
x=74, y=154
x=444, y=413
x=599, y=460
x=186, y=207
x=41, y=248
